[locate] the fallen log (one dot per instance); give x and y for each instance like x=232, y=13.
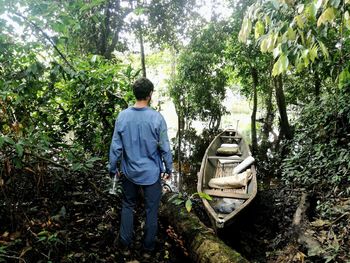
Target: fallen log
x=202, y=243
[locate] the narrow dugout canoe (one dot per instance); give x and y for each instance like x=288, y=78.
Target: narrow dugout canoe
x=220, y=162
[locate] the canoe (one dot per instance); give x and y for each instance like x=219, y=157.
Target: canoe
x=217, y=168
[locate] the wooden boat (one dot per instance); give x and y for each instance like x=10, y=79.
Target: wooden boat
x=226, y=202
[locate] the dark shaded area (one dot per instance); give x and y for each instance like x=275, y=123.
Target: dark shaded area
x=71, y=218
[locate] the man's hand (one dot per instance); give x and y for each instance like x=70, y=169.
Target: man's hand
x=166, y=176
x=111, y=175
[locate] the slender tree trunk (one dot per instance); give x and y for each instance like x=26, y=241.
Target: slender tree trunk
x=254, y=74
x=142, y=48
x=267, y=127
x=105, y=30
x=282, y=108
x=180, y=120
x=181, y=128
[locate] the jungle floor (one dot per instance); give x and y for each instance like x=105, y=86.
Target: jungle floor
x=73, y=218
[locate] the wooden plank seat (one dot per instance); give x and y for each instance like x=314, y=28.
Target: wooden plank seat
x=226, y=193
x=230, y=137
x=234, y=158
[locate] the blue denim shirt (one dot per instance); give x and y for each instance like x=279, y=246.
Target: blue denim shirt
x=140, y=140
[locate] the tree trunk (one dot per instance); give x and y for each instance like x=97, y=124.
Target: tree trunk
x=142, y=48
x=203, y=245
x=105, y=30
x=282, y=108
x=180, y=129
x=254, y=74
x=267, y=127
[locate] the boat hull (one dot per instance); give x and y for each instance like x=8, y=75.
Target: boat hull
x=214, y=166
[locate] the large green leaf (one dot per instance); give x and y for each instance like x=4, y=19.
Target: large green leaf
x=323, y=49
x=344, y=78
x=300, y=21
x=204, y=196
x=259, y=29
x=19, y=149
x=245, y=30
x=291, y=34
x=313, y=53
x=281, y=65
x=188, y=205
x=327, y=16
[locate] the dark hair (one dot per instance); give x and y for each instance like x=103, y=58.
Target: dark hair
x=142, y=88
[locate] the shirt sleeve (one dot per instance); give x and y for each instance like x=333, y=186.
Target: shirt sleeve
x=164, y=147
x=115, y=151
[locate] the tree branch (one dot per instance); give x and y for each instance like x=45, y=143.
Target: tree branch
x=46, y=36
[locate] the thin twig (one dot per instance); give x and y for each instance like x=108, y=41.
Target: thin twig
x=340, y=217
x=46, y=36
x=13, y=257
x=48, y=160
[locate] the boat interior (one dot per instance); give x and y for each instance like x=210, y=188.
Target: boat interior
x=221, y=164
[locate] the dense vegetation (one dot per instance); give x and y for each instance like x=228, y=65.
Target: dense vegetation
x=65, y=75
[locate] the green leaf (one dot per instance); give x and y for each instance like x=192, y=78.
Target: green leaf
x=300, y=8
x=44, y=233
x=205, y=196
x=94, y=159
x=347, y=19
x=188, y=205
x=323, y=49
x=281, y=65
x=346, y=15
x=275, y=3
x=139, y=10
x=276, y=68
x=277, y=51
x=305, y=56
x=284, y=62
x=344, y=78
x=245, y=30
x=259, y=29
x=291, y=34
x=93, y=59
x=335, y=3
x=271, y=41
x=318, y=4
x=9, y=140
x=267, y=21
x=327, y=16
x=311, y=11
x=263, y=45
x=299, y=64
x=300, y=21
x=173, y=197
x=313, y=53
x=178, y=201
x=2, y=141
x=19, y=149
x=40, y=239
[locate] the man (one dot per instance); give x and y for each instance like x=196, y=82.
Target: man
x=140, y=140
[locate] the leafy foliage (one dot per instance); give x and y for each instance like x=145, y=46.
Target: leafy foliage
x=199, y=87
x=319, y=154
x=297, y=33
x=180, y=198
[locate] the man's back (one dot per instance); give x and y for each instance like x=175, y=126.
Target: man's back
x=141, y=135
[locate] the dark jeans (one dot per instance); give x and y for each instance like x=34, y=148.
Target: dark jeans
x=152, y=194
